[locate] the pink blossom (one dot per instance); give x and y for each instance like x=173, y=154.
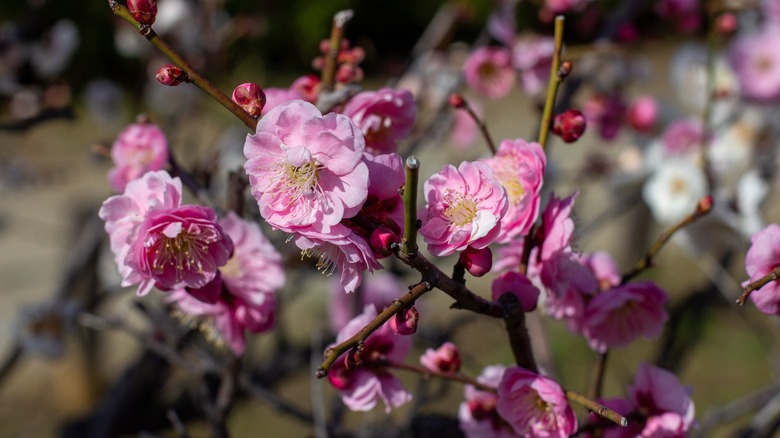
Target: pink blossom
x=404, y=322
x=308, y=87
x=306, y=170
x=232, y=315
x=360, y=387
x=488, y=71
x=568, y=283
x=139, y=148
x=603, y=267
x=683, y=137
x=385, y=116
x=517, y=284
x=124, y=213
x=564, y=6
x=478, y=415
x=657, y=392
x=534, y=405
x=464, y=207
x=619, y=316
x=255, y=270
x=277, y=96
x=179, y=247
x=762, y=258
x=643, y=114
x=520, y=166
x=340, y=249
x=532, y=57
x=757, y=63
x=444, y=359
x=557, y=226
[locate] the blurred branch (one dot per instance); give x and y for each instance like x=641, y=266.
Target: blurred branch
x=737, y=408
x=340, y=20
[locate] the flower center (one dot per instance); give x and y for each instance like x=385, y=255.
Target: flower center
x=326, y=255
x=182, y=250
x=296, y=176
x=461, y=210
x=678, y=186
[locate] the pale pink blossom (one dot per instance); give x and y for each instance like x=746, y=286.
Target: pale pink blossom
x=124, y=213
x=568, y=284
x=139, y=148
x=179, y=247
x=277, y=96
x=231, y=315
x=340, y=249
x=464, y=207
x=444, y=359
x=478, y=415
x=488, y=71
x=517, y=284
x=603, y=267
x=385, y=116
x=532, y=57
x=362, y=386
x=520, y=166
x=306, y=170
x=621, y=315
x=534, y=405
x=255, y=270
x=657, y=392
x=762, y=258
x=757, y=63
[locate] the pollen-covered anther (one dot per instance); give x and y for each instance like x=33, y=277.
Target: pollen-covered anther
x=461, y=210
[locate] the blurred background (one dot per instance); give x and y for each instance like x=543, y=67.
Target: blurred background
x=72, y=75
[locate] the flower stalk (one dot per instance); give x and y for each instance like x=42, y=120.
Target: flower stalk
x=556, y=77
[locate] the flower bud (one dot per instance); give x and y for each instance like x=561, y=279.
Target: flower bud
x=565, y=69
x=726, y=23
x=308, y=86
x=569, y=125
x=445, y=359
x=456, y=100
x=404, y=323
x=144, y=11
x=171, y=75
x=477, y=261
x=643, y=114
x=704, y=205
x=382, y=240
x=250, y=97
x=348, y=73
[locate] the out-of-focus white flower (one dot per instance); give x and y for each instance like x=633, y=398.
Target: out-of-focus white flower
x=673, y=190
x=689, y=76
x=730, y=151
x=751, y=192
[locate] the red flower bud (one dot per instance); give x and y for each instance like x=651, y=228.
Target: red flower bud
x=171, y=75
x=144, y=11
x=477, y=261
x=404, y=323
x=381, y=241
x=250, y=97
x=569, y=125
x=456, y=101
x=726, y=23
x=704, y=205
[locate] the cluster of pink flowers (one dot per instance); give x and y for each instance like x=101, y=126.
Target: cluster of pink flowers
x=139, y=148
x=313, y=177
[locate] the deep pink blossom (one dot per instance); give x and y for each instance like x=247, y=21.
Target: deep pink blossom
x=231, y=315
x=643, y=114
x=444, y=359
x=255, y=269
x=621, y=315
x=139, y=148
x=124, y=213
x=478, y=415
x=306, y=170
x=656, y=393
x=757, y=63
x=762, y=258
x=517, y=284
x=488, y=71
x=362, y=386
x=385, y=116
x=532, y=57
x=534, y=405
x=179, y=247
x=520, y=166
x=340, y=249
x=464, y=207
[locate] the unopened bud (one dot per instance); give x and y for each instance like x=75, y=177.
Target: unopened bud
x=643, y=114
x=171, y=75
x=382, y=240
x=456, y=100
x=144, y=11
x=477, y=261
x=570, y=125
x=726, y=23
x=348, y=73
x=404, y=323
x=250, y=97
x=444, y=359
x=704, y=205
x=565, y=69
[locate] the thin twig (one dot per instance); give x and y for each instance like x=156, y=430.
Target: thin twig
x=552, y=86
x=453, y=377
x=753, y=286
x=597, y=408
x=597, y=378
x=340, y=20
x=480, y=122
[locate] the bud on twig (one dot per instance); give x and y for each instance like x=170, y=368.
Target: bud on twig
x=565, y=69
x=456, y=100
x=250, y=97
x=477, y=261
x=404, y=323
x=171, y=75
x=144, y=11
x=570, y=125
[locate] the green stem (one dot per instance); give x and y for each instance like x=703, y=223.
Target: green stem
x=331, y=59
x=597, y=408
x=196, y=78
x=552, y=86
x=409, y=245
